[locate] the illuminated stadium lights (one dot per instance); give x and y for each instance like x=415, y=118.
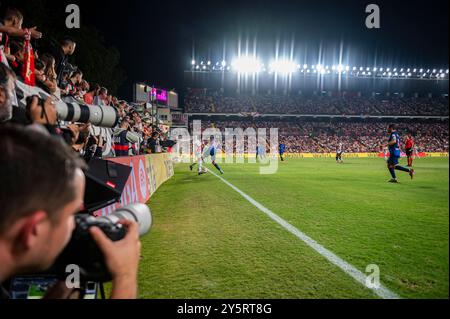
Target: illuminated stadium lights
x=389, y=74
x=409, y=74
x=246, y=64
x=395, y=69
x=319, y=67
x=415, y=70
x=384, y=73
x=347, y=68
x=367, y=69
x=204, y=67
x=381, y=69
x=434, y=70
x=421, y=70
x=283, y=66
x=360, y=68
x=224, y=63
x=446, y=71
x=197, y=67
x=305, y=66
x=193, y=62
x=374, y=69
x=354, y=68
x=388, y=69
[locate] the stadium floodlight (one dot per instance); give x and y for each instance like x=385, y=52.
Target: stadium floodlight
x=307, y=71
x=197, y=67
x=193, y=62
x=247, y=64
x=326, y=67
x=408, y=70
x=347, y=68
x=209, y=62
x=434, y=70
x=409, y=74
x=204, y=67
x=340, y=68
x=201, y=63
x=333, y=67
x=283, y=66
x=354, y=68
x=395, y=69
x=396, y=74
x=446, y=71
x=403, y=74
x=421, y=70
x=319, y=67
x=442, y=75
x=401, y=70
x=224, y=63
x=360, y=68
x=388, y=69
x=415, y=70
x=381, y=69
x=305, y=66
x=374, y=69
x=364, y=73
x=367, y=69
x=389, y=74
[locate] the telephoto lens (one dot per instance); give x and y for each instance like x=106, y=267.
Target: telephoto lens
x=69, y=109
x=82, y=250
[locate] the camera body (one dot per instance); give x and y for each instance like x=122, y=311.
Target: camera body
x=84, y=252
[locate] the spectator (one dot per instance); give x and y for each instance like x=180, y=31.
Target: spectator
x=91, y=94
x=61, y=53
x=7, y=93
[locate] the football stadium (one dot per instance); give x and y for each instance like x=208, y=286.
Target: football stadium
x=278, y=160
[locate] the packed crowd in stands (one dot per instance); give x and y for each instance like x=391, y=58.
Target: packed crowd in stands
x=210, y=101
x=51, y=71
x=324, y=137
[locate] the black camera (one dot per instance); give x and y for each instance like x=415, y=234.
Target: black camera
x=82, y=250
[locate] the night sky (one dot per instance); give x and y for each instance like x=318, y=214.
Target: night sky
x=156, y=39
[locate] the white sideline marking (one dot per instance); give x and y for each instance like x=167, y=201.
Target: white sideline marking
x=350, y=270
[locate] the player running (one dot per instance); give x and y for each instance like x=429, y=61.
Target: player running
x=394, y=154
x=339, y=152
x=409, y=146
x=211, y=150
x=281, y=150
x=198, y=156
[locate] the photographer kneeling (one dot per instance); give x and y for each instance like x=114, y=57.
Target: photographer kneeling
x=41, y=189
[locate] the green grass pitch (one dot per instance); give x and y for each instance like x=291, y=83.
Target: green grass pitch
x=207, y=241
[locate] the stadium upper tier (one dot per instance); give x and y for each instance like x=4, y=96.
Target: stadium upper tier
x=208, y=101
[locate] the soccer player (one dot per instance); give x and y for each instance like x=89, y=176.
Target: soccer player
x=211, y=150
x=409, y=145
x=394, y=154
x=281, y=149
x=198, y=156
x=339, y=152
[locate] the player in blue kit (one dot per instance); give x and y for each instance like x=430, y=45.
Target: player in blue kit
x=394, y=155
x=281, y=150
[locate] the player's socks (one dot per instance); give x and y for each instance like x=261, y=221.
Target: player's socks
x=218, y=168
x=401, y=168
x=392, y=171
x=192, y=166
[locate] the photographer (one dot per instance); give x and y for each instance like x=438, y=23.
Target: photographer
x=123, y=138
x=41, y=189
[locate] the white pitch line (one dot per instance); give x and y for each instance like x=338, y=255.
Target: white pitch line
x=349, y=269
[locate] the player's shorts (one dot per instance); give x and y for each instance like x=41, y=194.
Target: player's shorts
x=409, y=152
x=393, y=160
